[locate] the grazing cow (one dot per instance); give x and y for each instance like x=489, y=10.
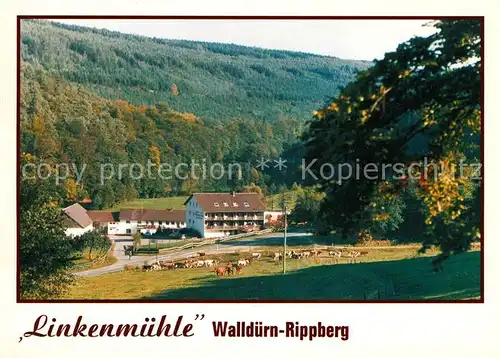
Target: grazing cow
x=154, y=266
x=220, y=271
x=229, y=268
x=305, y=254
x=336, y=254
x=315, y=252
x=238, y=269
x=209, y=263
x=147, y=267
x=352, y=255
x=295, y=255
x=180, y=265
x=201, y=254
x=256, y=255
x=200, y=263
x=167, y=265
x=278, y=256
x=243, y=262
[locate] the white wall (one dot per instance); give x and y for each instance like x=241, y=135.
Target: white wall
x=195, y=217
x=212, y=234
x=121, y=227
x=75, y=231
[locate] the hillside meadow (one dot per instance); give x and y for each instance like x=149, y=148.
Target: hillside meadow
x=393, y=274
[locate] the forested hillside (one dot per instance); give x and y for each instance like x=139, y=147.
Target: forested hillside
x=214, y=81
x=64, y=123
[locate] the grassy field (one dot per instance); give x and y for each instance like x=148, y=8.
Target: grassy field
x=174, y=202
x=389, y=273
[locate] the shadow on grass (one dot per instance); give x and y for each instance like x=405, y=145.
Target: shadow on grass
x=410, y=279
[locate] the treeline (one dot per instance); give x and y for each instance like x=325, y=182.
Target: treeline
x=64, y=123
x=215, y=81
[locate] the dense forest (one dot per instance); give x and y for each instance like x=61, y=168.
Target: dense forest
x=212, y=80
x=64, y=123
x=90, y=97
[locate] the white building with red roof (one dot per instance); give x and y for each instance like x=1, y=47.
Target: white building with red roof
x=223, y=214
x=147, y=221
x=76, y=220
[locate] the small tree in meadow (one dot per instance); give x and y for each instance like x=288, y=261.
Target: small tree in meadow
x=137, y=239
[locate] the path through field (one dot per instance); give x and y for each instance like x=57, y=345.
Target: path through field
x=244, y=245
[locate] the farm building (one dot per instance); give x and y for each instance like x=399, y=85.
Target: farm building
x=101, y=219
x=222, y=214
x=147, y=221
x=76, y=220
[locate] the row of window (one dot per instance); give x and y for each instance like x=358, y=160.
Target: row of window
x=216, y=204
x=235, y=204
x=152, y=222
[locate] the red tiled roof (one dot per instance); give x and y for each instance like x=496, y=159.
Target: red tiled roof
x=69, y=223
x=153, y=215
x=78, y=215
x=214, y=202
x=103, y=216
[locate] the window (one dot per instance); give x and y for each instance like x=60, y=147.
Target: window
x=216, y=204
x=226, y=205
x=235, y=204
x=128, y=221
x=139, y=222
x=246, y=204
x=160, y=222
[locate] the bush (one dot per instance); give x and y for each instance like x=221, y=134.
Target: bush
x=364, y=237
x=190, y=232
x=94, y=241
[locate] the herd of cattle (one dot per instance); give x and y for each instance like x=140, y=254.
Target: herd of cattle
x=337, y=254
x=192, y=263
x=232, y=267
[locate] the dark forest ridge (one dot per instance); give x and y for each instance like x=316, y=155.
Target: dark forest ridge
x=213, y=80
x=173, y=42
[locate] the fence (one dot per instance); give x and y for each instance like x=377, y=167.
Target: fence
x=212, y=241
